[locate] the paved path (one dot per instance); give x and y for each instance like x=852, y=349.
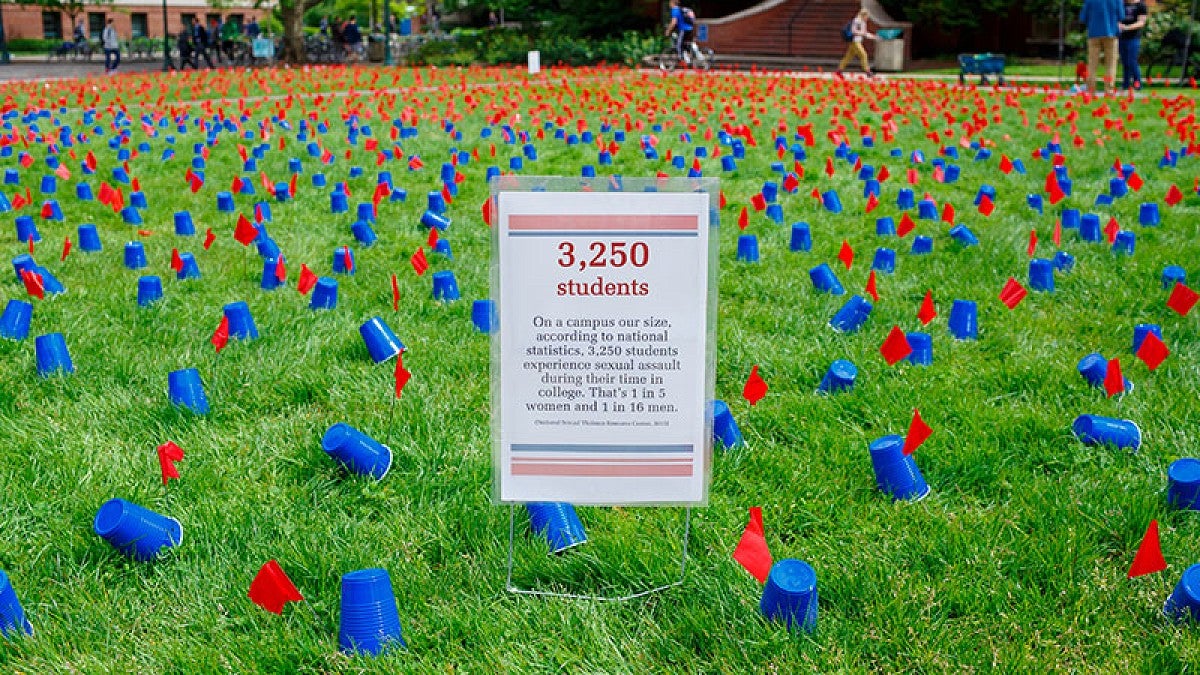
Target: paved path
x=40, y=69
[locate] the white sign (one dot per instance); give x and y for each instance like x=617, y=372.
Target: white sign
x=535, y=62
x=603, y=353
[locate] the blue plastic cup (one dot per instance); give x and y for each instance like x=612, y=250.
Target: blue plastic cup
x=922, y=348
x=442, y=247
x=831, y=201
x=1093, y=369
x=318, y=180
x=1034, y=201
x=135, y=255
x=1071, y=219
x=905, y=199
x=356, y=451
x=1117, y=187
x=83, y=192
x=241, y=323
x=325, y=294
x=852, y=315
x=1064, y=262
x=1066, y=185
x=370, y=621
x=1183, y=605
x=184, y=226
x=89, y=238
x=1098, y=430
x=963, y=235
x=382, y=344
x=839, y=377
x=270, y=281
x=725, y=428
x=12, y=616
x=1183, y=484
x=801, y=237
x=964, y=320
x=295, y=165
x=435, y=202
x=484, y=316
x=896, y=473
x=728, y=163
x=267, y=248
x=366, y=212
x=927, y=210
x=775, y=212
x=186, y=390
x=49, y=282
x=445, y=286
x=190, y=268
x=131, y=216
x=363, y=233
x=138, y=200
x=871, y=187
x=867, y=172
x=747, y=248
x=136, y=531
x=51, y=353
x=430, y=220
x=885, y=260
x=22, y=263
x=1089, y=228
x=1140, y=332
x=1148, y=215
x=26, y=228
x=790, y=595
x=770, y=191
x=1173, y=275
x=14, y=323
x=12, y=176
x=225, y=202
x=558, y=523
x=49, y=185
x=885, y=226
x=1041, y=275
x=149, y=290
x=1125, y=243
x=247, y=187
x=922, y=245
x=953, y=171
x=825, y=281
x=338, y=202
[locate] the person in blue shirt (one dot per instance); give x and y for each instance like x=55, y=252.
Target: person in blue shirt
x=1102, y=19
x=252, y=29
x=683, y=26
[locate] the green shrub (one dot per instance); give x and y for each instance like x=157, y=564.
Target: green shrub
x=32, y=45
x=493, y=47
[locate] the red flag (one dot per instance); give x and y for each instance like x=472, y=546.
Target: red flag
x=1057, y=236
x=209, y=238
x=168, y=454
x=90, y=160
x=63, y=172
x=758, y=202
x=31, y=244
x=1182, y=299
x=395, y=294
x=272, y=589
x=1114, y=381
x=1013, y=293
x=829, y=170
x=1111, y=230
x=1149, y=557
x=895, y=347
x=307, y=280
x=927, y=311
x=905, y=226
x=176, y=261
x=292, y=186
x=1174, y=196
x=918, y=432
x=743, y=218
x=872, y=202
x=402, y=375
x=1153, y=351
x=755, y=387
x=986, y=205
x=280, y=270
x=19, y=202
x=871, y=289
x=1006, y=165
x=846, y=254
x=347, y=259
x=752, y=552
x=1053, y=189
x=33, y=284
x=791, y=183
x=1134, y=182
x=220, y=336
x=419, y=263
x=66, y=247
x=1032, y=248
x=432, y=239
x=948, y=213
x=487, y=211
x=245, y=232
x=883, y=174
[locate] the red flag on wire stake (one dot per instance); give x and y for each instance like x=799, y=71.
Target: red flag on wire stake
x=1182, y=299
x=918, y=433
x=402, y=375
x=396, y=293
x=272, y=589
x=927, y=312
x=419, y=263
x=895, y=347
x=209, y=238
x=752, y=552
x=846, y=254
x=307, y=280
x=1153, y=351
x=1114, y=381
x=1149, y=557
x=755, y=388
x=220, y=336
x=168, y=454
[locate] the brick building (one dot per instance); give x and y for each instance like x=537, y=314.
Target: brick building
x=132, y=18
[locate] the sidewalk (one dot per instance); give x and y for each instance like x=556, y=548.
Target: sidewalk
x=33, y=67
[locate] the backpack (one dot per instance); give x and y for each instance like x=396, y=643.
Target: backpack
x=848, y=31
x=689, y=15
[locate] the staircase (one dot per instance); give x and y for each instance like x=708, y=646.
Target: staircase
x=809, y=31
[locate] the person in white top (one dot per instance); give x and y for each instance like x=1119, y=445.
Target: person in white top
x=112, y=47
x=858, y=32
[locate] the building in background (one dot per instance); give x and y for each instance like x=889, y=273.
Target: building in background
x=132, y=18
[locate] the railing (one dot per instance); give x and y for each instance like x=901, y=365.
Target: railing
x=792, y=22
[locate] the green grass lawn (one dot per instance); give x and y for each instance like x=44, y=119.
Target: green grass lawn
x=1017, y=560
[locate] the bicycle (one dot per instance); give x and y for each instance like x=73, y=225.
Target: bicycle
x=71, y=51
x=694, y=56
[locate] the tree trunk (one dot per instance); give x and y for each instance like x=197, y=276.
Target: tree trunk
x=292, y=14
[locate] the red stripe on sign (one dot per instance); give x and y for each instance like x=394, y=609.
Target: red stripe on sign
x=602, y=470
x=603, y=222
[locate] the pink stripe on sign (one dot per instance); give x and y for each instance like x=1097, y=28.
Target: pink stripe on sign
x=602, y=470
x=566, y=459
x=603, y=222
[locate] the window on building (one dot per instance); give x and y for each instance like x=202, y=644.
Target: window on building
x=210, y=18
x=52, y=26
x=141, y=24
x=95, y=25
x=235, y=19
x=187, y=19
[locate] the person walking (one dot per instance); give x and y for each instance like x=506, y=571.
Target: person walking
x=1102, y=17
x=681, y=24
x=111, y=43
x=1131, y=43
x=855, y=33
x=352, y=37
